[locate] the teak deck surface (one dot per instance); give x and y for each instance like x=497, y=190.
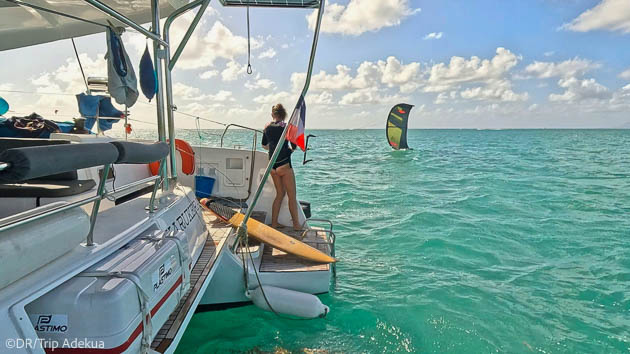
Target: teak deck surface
x=275, y=260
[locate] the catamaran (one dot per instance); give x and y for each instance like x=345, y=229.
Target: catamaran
x=103, y=242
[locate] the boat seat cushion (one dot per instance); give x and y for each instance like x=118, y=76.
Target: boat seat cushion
x=33, y=162
x=45, y=188
x=12, y=143
x=139, y=153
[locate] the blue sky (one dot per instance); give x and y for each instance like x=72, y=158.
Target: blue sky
x=464, y=64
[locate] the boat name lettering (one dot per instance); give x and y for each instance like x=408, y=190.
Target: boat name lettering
x=186, y=217
x=51, y=323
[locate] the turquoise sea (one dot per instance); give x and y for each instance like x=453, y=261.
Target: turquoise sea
x=513, y=241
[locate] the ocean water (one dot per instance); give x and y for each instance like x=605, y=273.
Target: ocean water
x=511, y=241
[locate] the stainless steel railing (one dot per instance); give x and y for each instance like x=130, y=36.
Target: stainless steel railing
x=101, y=193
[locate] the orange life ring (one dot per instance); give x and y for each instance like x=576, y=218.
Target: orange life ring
x=188, y=158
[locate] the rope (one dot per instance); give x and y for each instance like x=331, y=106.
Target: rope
x=200, y=118
x=249, y=54
x=262, y=290
x=80, y=66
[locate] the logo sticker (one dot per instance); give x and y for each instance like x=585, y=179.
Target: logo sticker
x=49, y=323
x=164, y=271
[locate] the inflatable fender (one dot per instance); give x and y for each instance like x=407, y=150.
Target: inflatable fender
x=288, y=302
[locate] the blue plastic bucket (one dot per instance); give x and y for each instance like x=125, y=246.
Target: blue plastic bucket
x=203, y=186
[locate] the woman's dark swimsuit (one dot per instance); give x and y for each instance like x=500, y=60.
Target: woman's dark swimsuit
x=271, y=136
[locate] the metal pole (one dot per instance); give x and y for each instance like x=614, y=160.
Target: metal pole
x=191, y=28
x=274, y=157
x=115, y=14
x=97, y=204
x=158, y=55
x=170, y=108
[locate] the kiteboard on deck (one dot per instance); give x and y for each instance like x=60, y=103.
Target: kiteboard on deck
x=267, y=234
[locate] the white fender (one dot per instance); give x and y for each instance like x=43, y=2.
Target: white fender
x=288, y=302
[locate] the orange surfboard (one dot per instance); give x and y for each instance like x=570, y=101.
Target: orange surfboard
x=267, y=234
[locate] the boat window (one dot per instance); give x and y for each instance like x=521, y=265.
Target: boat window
x=234, y=164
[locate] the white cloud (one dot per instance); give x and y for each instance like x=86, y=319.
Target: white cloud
x=273, y=98
x=443, y=77
x=209, y=74
x=221, y=96
x=284, y=46
x=219, y=42
x=186, y=92
x=395, y=73
x=612, y=15
x=361, y=16
x=443, y=97
x=496, y=91
x=233, y=71
x=625, y=74
x=390, y=72
x=369, y=96
x=549, y=53
x=269, y=53
x=433, y=35
x=579, y=90
x=341, y=80
x=260, y=84
x=322, y=98
x=567, y=68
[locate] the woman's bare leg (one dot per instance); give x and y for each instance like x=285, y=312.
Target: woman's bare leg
x=288, y=181
x=277, y=202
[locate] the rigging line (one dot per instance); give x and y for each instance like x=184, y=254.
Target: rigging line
x=80, y=66
x=197, y=117
x=36, y=7
x=249, y=54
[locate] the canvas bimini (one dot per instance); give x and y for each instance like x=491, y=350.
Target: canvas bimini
x=104, y=244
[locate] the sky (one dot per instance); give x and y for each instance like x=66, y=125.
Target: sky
x=482, y=64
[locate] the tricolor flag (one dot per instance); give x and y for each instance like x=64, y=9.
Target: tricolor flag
x=295, y=132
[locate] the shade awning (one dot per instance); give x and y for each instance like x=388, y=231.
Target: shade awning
x=23, y=26
x=272, y=3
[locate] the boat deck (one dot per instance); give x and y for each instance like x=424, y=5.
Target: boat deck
x=275, y=260
x=218, y=231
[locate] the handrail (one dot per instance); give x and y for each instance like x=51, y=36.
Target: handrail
x=114, y=193
x=274, y=157
x=238, y=126
x=101, y=193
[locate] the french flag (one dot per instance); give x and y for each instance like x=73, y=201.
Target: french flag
x=295, y=131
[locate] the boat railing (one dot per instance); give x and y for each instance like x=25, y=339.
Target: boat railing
x=101, y=191
x=253, y=150
x=255, y=131
x=331, y=237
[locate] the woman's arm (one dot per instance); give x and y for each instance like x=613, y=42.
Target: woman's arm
x=264, y=142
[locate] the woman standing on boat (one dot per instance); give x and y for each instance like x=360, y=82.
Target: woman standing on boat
x=282, y=171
